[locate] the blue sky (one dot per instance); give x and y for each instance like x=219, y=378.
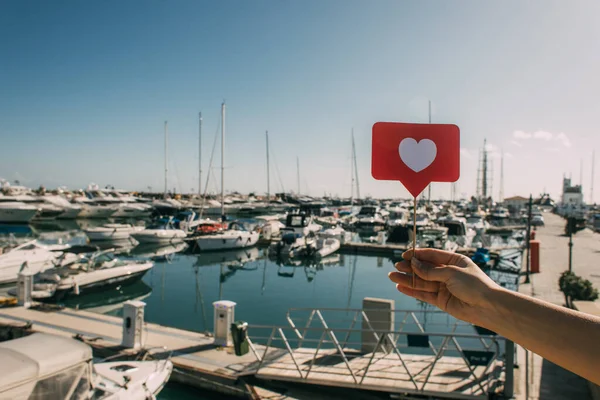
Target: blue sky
x=86, y=88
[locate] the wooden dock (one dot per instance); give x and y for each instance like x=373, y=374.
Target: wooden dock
x=196, y=361
x=448, y=377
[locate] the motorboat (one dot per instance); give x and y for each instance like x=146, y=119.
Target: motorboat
x=70, y=210
x=338, y=233
x=16, y=212
x=500, y=213
x=328, y=218
x=293, y=245
x=166, y=206
x=36, y=256
x=477, y=223
x=112, y=231
x=46, y=210
x=318, y=249
x=270, y=226
x=45, y=366
x=110, y=299
x=87, y=274
x=458, y=230
x=370, y=219
x=398, y=216
x=163, y=232
x=91, y=210
x=234, y=237
x=228, y=257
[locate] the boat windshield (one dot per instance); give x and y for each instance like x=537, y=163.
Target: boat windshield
x=473, y=220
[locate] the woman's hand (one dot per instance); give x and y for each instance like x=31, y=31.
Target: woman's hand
x=449, y=281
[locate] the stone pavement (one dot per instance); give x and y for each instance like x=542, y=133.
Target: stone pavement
x=547, y=380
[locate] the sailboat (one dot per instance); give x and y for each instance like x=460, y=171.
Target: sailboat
x=235, y=236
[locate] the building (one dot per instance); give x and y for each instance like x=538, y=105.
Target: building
x=572, y=195
x=515, y=203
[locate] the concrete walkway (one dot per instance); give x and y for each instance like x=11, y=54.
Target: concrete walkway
x=547, y=380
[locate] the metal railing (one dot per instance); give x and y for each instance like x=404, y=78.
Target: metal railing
x=482, y=361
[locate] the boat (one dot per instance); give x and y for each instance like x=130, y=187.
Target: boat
x=398, y=216
x=87, y=274
x=37, y=256
x=45, y=366
x=46, y=210
x=16, y=212
x=109, y=300
x=477, y=223
x=234, y=237
x=112, y=231
x=70, y=210
x=458, y=230
x=338, y=233
x=163, y=232
x=370, y=219
x=91, y=210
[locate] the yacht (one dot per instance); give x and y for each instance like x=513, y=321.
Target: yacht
x=46, y=211
x=477, y=223
x=370, y=219
x=38, y=257
x=398, y=216
x=500, y=213
x=45, y=366
x=164, y=232
x=458, y=230
x=16, y=212
x=70, y=210
x=234, y=237
x=112, y=231
x=87, y=274
x=91, y=210
x=338, y=233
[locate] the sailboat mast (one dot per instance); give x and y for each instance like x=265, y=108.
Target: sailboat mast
x=592, y=182
x=352, y=172
x=222, y=159
x=298, y=173
x=355, y=167
x=200, y=155
x=166, y=159
x=268, y=171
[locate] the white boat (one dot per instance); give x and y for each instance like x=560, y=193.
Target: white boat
x=45, y=366
x=46, y=210
x=112, y=231
x=128, y=210
x=154, y=251
x=91, y=210
x=16, y=212
x=70, y=210
x=458, y=230
x=398, y=216
x=87, y=274
x=477, y=223
x=338, y=233
x=161, y=233
x=370, y=219
x=37, y=256
x=234, y=237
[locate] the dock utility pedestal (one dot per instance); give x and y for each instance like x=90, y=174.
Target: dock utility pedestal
x=224, y=317
x=133, y=324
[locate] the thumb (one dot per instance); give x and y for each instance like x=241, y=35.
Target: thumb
x=431, y=272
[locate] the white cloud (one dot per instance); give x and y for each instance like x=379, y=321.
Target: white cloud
x=521, y=135
x=561, y=138
x=516, y=143
x=542, y=135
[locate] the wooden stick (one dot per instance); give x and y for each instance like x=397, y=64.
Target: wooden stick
x=414, y=243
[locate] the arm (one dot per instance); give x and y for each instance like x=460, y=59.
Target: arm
x=456, y=285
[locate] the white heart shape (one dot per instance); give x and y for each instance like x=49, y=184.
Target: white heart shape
x=417, y=155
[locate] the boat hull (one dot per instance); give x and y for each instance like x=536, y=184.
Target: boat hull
x=151, y=236
x=227, y=242
x=15, y=215
x=93, y=212
x=70, y=213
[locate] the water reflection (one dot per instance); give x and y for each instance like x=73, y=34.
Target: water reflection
x=110, y=300
x=158, y=253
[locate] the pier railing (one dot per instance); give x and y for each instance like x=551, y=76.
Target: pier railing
x=422, y=352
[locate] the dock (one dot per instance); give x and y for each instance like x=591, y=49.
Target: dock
x=196, y=360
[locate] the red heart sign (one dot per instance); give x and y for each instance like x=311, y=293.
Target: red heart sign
x=415, y=154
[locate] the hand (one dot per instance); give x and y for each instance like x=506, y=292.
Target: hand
x=449, y=281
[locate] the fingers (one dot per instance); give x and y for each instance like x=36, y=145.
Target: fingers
x=419, y=284
x=431, y=272
x=427, y=297
x=436, y=256
x=404, y=266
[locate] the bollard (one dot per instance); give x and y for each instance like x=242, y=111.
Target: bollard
x=25, y=286
x=534, y=248
x=380, y=315
x=224, y=316
x=532, y=235
x=133, y=324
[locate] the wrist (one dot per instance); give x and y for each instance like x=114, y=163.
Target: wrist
x=494, y=310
